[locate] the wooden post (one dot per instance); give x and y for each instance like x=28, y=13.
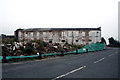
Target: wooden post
x=86, y=50
x=76, y=51
x=62, y=53
x=4, y=58
x=40, y=57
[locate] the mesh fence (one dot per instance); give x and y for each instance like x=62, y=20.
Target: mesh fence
x=89, y=47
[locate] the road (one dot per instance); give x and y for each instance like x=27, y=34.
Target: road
x=100, y=64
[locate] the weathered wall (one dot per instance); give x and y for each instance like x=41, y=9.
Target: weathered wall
x=94, y=36
x=71, y=36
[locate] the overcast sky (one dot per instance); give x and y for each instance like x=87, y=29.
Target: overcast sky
x=16, y=14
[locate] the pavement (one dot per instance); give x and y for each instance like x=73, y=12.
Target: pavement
x=100, y=64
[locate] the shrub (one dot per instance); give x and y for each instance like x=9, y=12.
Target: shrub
x=5, y=51
x=29, y=49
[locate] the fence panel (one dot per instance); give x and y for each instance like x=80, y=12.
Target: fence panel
x=90, y=47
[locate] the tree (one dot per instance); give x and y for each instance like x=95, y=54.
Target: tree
x=41, y=45
x=111, y=40
x=103, y=40
x=5, y=51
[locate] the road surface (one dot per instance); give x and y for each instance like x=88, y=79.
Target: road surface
x=100, y=64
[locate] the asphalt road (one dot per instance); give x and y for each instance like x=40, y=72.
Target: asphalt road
x=100, y=64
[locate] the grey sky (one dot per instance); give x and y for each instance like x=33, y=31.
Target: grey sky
x=16, y=14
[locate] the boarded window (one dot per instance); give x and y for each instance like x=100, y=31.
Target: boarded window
x=31, y=34
x=38, y=34
x=83, y=33
x=64, y=33
x=75, y=33
x=44, y=34
x=69, y=33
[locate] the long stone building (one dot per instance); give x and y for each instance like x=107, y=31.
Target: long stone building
x=61, y=35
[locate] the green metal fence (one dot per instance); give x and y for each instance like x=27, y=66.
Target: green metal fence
x=93, y=47
x=90, y=47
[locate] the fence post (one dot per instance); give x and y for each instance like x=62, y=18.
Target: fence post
x=4, y=58
x=76, y=51
x=62, y=53
x=86, y=50
x=40, y=57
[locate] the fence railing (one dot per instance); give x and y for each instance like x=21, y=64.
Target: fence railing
x=87, y=48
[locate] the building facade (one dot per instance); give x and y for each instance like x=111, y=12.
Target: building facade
x=61, y=35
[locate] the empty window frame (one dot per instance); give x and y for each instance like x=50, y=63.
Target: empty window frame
x=96, y=36
x=90, y=40
x=63, y=40
x=77, y=40
x=83, y=40
x=50, y=40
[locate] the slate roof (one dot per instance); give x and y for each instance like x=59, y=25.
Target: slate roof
x=49, y=29
x=75, y=28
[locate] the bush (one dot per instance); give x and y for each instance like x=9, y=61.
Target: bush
x=29, y=49
x=5, y=51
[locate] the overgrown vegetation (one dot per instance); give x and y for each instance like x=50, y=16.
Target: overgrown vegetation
x=8, y=40
x=33, y=47
x=113, y=42
x=103, y=40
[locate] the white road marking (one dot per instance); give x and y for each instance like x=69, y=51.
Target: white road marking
x=99, y=60
x=37, y=60
x=69, y=73
x=110, y=54
x=6, y=64
x=16, y=63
